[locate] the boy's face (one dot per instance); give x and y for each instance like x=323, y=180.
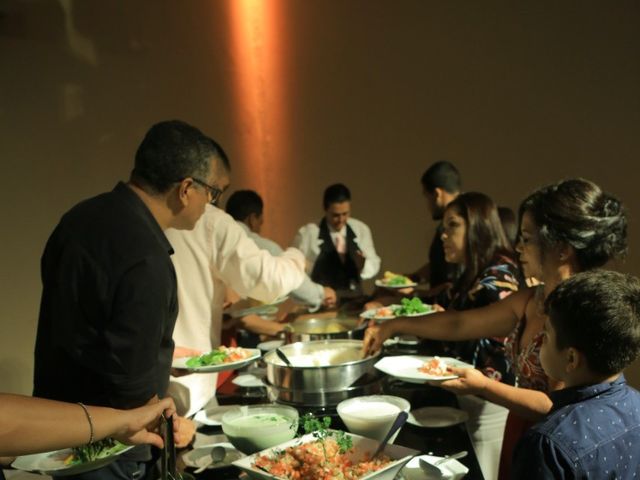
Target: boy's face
x=553, y=361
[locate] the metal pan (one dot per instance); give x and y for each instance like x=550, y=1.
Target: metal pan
x=316, y=328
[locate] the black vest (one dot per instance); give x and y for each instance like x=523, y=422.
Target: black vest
x=329, y=269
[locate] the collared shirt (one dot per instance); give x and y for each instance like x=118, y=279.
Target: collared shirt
x=215, y=254
x=108, y=305
x=308, y=293
x=591, y=432
x=308, y=242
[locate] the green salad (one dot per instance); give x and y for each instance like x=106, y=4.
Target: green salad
x=412, y=306
x=215, y=357
x=95, y=451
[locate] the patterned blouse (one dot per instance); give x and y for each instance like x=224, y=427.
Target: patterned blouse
x=488, y=355
x=526, y=362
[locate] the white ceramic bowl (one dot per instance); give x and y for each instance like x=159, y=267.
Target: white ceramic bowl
x=255, y=427
x=371, y=416
x=400, y=456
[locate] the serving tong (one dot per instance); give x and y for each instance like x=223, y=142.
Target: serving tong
x=168, y=468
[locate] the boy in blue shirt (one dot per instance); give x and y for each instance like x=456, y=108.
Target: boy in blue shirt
x=593, y=430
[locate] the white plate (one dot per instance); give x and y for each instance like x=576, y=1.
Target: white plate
x=451, y=469
x=437, y=417
x=400, y=455
x=270, y=345
x=213, y=416
x=240, y=310
x=191, y=457
x=52, y=463
x=248, y=380
x=381, y=283
x=405, y=367
x=371, y=314
x=181, y=363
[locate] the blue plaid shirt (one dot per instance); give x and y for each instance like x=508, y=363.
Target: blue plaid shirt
x=591, y=432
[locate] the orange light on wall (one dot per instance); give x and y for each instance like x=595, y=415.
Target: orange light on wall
x=258, y=53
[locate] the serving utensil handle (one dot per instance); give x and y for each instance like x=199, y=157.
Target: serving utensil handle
x=398, y=422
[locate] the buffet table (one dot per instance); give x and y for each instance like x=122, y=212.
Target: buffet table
x=438, y=441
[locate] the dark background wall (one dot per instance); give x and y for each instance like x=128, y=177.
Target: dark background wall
x=307, y=93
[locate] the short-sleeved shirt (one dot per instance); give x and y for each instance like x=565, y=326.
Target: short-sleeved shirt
x=592, y=432
x=108, y=307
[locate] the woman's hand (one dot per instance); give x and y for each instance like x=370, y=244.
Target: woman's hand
x=374, y=337
x=469, y=382
x=141, y=424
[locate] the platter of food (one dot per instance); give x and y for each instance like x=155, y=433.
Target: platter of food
x=72, y=461
x=218, y=360
x=395, y=281
x=326, y=457
x=408, y=307
x=420, y=369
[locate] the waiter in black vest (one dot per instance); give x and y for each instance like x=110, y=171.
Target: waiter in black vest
x=339, y=249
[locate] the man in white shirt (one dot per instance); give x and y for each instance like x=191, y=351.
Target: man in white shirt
x=339, y=249
x=215, y=254
x=246, y=207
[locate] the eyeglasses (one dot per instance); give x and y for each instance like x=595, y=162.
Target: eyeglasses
x=214, y=192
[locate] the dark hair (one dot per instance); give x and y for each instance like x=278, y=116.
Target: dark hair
x=336, y=193
x=443, y=175
x=243, y=203
x=486, y=239
x=578, y=213
x=509, y=224
x=172, y=151
x=598, y=313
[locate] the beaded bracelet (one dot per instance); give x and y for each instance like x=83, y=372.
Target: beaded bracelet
x=90, y=420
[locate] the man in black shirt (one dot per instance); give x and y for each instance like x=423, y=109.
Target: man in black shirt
x=109, y=299
x=440, y=186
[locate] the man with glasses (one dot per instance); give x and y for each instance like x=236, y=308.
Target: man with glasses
x=109, y=300
x=215, y=255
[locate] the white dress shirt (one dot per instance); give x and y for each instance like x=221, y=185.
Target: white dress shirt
x=308, y=242
x=309, y=292
x=217, y=252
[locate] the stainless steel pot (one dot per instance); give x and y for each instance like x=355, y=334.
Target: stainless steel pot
x=316, y=328
x=319, y=366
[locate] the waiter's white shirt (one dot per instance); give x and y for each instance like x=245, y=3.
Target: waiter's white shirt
x=309, y=292
x=216, y=253
x=307, y=241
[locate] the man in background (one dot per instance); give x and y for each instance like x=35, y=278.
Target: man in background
x=247, y=207
x=339, y=248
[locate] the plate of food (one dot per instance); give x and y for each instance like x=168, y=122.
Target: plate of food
x=408, y=307
x=72, y=461
x=218, y=360
x=254, y=307
x=327, y=457
x=420, y=369
x=395, y=281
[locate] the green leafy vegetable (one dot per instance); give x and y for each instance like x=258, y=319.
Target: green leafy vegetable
x=411, y=307
x=320, y=430
x=214, y=357
x=398, y=280
x=95, y=451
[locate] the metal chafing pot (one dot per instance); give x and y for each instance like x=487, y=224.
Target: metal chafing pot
x=323, y=371
x=322, y=328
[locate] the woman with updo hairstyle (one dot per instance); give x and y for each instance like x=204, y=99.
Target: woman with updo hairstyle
x=565, y=228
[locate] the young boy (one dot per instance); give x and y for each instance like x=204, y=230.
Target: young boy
x=593, y=429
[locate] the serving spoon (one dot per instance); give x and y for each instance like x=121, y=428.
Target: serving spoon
x=432, y=468
x=283, y=357
x=216, y=455
x=398, y=422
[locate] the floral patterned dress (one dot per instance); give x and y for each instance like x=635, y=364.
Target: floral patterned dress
x=488, y=355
